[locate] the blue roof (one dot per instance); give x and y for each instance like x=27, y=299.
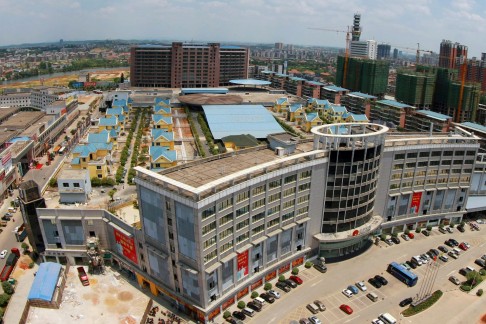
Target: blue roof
x=294, y=107
x=434, y=115
x=75, y=161
x=119, y=102
x=475, y=126
x=230, y=47
x=250, y=82
x=335, y=88
x=340, y=109
x=87, y=149
x=114, y=132
x=20, y=139
x=157, y=118
x=162, y=100
x=158, y=132
x=282, y=100
x=226, y=120
x=185, y=91
x=114, y=111
x=341, y=130
x=162, y=108
x=359, y=117
x=45, y=281
x=158, y=151
x=297, y=79
x=324, y=102
x=315, y=83
x=394, y=103
x=112, y=121
x=311, y=116
x=362, y=95
x=102, y=137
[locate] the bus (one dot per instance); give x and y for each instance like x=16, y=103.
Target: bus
x=401, y=273
x=61, y=151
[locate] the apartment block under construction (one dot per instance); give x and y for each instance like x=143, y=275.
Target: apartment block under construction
x=415, y=89
x=363, y=75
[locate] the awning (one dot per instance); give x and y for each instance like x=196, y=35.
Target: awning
x=476, y=203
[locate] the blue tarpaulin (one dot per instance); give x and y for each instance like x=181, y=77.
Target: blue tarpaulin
x=45, y=281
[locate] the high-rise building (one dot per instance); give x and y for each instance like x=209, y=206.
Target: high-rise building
x=187, y=65
x=365, y=49
x=30, y=199
x=415, y=89
x=395, y=53
x=450, y=54
x=279, y=46
x=356, y=31
x=363, y=75
x=383, y=51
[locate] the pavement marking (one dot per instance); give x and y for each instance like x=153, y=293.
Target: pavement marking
x=450, y=273
x=352, y=319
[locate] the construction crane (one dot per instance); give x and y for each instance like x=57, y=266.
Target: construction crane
x=417, y=50
x=346, y=51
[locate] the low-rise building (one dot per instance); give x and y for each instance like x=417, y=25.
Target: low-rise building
x=162, y=157
x=92, y=157
x=74, y=186
x=161, y=137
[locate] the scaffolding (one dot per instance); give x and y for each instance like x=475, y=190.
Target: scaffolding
x=415, y=88
x=363, y=75
x=95, y=254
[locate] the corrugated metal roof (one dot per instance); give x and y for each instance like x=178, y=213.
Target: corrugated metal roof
x=475, y=126
x=435, y=115
x=362, y=95
x=394, y=103
x=112, y=121
x=227, y=120
x=185, y=91
x=45, y=281
x=157, y=151
x=334, y=88
x=250, y=82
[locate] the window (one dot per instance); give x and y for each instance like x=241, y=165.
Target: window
x=65, y=185
x=258, y=190
x=98, y=167
x=225, y=204
x=305, y=186
x=302, y=210
x=257, y=217
x=289, y=203
x=208, y=228
x=258, y=229
x=275, y=184
x=76, y=185
x=302, y=199
x=227, y=218
x=424, y=154
x=273, y=222
x=242, y=224
x=411, y=155
x=288, y=216
x=209, y=242
x=436, y=153
x=290, y=179
x=399, y=156
x=289, y=192
x=208, y=212
x=242, y=210
x=242, y=237
x=274, y=197
x=470, y=153
x=210, y=256
x=225, y=233
x=242, y=196
x=306, y=174
x=92, y=234
x=273, y=210
x=258, y=203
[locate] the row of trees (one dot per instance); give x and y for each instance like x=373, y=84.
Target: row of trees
x=207, y=133
x=136, y=146
x=125, y=154
x=194, y=133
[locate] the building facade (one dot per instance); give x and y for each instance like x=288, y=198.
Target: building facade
x=450, y=54
x=187, y=65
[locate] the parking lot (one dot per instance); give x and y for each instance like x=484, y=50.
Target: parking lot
x=327, y=287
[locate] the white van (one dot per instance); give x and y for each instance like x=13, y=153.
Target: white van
x=313, y=308
x=248, y=311
x=260, y=300
x=372, y=296
x=387, y=318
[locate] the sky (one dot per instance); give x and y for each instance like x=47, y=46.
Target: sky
x=397, y=22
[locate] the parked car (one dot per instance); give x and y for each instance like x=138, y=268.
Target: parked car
x=479, y=262
x=315, y=320
x=304, y=321
x=463, y=246
x=425, y=258
x=443, y=249
x=239, y=315
x=411, y=264
x=450, y=230
x=389, y=242
x=274, y=294
x=268, y=298
x=296, y=279
x=255, y=306
x=484, y=257
x=426, y=233
x=467, y=245
x=444, y=258
x=442, y=230
x=406, y=302
x=466, y=270
x=406, y=266
x=3, y=254
x=411, y=235
x=461, y=229
x=8, y=214
x=474, y=226
x=291, y=283
x=283, y=286
x=452, y=255
x=454, y=280
x=5, y=218
x=346, y=308
x=361, y=285
x=382, y=280
x=353, y=289
x=320, y=304
x=321, y=267
x=375, y=283
x=377, y=321
x=405, y=237
x=348, y=293
x=395, y=240
x=454, y=242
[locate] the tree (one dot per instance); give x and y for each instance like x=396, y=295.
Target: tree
x=254, y=294
x=267, y=286
x=25, y=246
x=226, y=314
x=295, y=271
x=53, y=182
x=281, y=278
x=122, y=78
x=7, y=287
x=429, y=228
x=241, y=304
x=111, y=193
x=4, y=298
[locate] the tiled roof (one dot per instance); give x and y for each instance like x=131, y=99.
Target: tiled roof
x=282, y=100
x=102, y=137
x=158, y=118
x=163, y=101
x=160, y=151
x=294, y=107
x=157, y=133
x=75, y=161
x=87, y=149
x=119, y=103
x=114, y=111
x=311, y=116
x=159, y=108
x=112, y=121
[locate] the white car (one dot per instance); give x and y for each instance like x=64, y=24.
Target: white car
x=274, y=294
x=348, y=293
x=361, y=285
x=315, y=320
x=467, y=245
x=450, y=229
x=3, y=254
x=377, y=321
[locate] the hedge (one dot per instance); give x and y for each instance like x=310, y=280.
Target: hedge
x=241, y=304
x=412, y=310
x=308, y=264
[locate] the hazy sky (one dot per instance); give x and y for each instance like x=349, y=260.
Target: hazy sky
x=398, y=22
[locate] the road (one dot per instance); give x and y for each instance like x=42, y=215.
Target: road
x=454, y=307
x=7, y=237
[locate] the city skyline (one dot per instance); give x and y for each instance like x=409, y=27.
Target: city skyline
x=403, y=23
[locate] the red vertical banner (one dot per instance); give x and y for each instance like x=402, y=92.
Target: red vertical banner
x=126, y=246
x=242, y=265
x=416, y=198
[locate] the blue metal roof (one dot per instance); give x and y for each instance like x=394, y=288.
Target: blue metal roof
x=20, y=139
x=282, y=100
x=475, y=126
x=114, y=111
x=311, y=116
x=75, y=161
x=157, y=118
x=162, y=108
x=319, y=102
x=359, y=117
x=294, y=107
x=340, y=109
x=315, y=83
x=185, y=91
x=102, y=137
x=86, y=149
x=226, y=120
x=250, y=82
x=112, y=121
x=230, y=47
x=394, y=103
x=435, y=115
x=341, y=130
x=297, y=79
x=119, y=103
x=158, y=151
x=158, y=132
x=362, y=95
x=162, y=100
x=335, y=88
x=45, y=281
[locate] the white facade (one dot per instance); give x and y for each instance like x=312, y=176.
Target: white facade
x=367, y=49
x=74, y=186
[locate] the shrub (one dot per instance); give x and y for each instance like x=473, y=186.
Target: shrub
x=281, y=278
x=53, y=182
x=424, y=305
x=482, y=272
x=254, y=294
x=25, y=246
x=383, y=237
x=7, y=287
x=31, y=265
x=429, y=228
x=479, y=292
x=418, y=229
x=463, y=223
x=4, y=298
x=295, y=271
x=441, y=226
x=451, y=225
x=267, y=286
x=406, y=231
x=308, y=264
x=226, y=314
x=394, y=234
x=466, y=287
x=241, y=304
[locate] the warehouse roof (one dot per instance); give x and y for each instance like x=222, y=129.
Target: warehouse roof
x=45, y=281
x=226, y=120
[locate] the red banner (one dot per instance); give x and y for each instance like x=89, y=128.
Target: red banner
x=6, y=157
x=89, y=84
x=271, y=275
x=242, y=265
x=228, y=303
x=416, y=198
x=126, y=246
x=2, y=175
x=297, y=262
x=256, y=284
x=284, y=268
x=214, y=313
x=242, y=293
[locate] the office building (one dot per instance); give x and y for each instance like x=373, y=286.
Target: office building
x=365, y=49
x=356, y=31
x=279, y=46
x=383, y=51
x=450, y=54
x=187, y=65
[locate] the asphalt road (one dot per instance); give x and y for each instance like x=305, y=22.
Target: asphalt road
x=454, y=307
x=7, y=237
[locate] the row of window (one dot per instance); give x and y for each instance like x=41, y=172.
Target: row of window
x=424, y=154
x=399, y=166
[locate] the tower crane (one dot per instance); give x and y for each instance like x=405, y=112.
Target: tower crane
x=346, y=51
x=418, y=50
